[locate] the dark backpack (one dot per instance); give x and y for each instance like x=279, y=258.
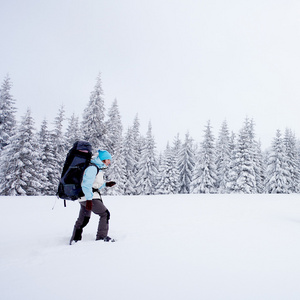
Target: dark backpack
x=77, y=160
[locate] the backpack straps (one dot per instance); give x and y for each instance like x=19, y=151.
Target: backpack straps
x=98, y=169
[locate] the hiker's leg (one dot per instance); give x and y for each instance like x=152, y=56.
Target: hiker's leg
x=82, y=221
x=100, y=210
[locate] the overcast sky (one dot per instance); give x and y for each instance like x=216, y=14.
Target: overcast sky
x=175, y=63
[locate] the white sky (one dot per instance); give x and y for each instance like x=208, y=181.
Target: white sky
x=176, y=63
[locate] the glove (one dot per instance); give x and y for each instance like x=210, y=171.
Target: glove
x=110, y=183
x=89, y=204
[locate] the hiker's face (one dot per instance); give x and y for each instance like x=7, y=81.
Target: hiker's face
x=107, y=162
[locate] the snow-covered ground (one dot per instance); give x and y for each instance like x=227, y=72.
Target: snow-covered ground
x=169, y=247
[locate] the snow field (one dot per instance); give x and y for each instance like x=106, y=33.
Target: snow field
x=169, y=247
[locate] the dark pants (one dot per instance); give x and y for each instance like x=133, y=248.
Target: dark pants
x=84, y=217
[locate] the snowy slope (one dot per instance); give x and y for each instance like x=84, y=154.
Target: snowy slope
x=169, y=247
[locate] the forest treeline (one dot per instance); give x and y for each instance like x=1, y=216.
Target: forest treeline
x=32, y=159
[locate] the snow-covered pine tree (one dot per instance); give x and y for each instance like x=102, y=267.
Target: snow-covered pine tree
x=138, y=138
x=169, y=175
x=93, y=125
x=259, y=167
x=223, y=157
x=208, y=175
x=7, y=113
x=231, y=176
x=130, y=163
x=257, y=158
x=292, y=156
x=132, y=153
x=277, y=173
x=73, y=132
x=59, y=144
x=48, y=161
x=177, y=145
x=197, y=172
x=113, y=127
x=244, y=167
x=20, y=163
x=186, y=165
x=116, y=171
x=147, y=166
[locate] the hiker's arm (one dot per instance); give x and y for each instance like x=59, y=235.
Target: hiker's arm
x=107, y=184
x=102, y=186
x=87, y=182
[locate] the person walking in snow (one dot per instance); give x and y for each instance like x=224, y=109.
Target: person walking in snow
x=92, y=182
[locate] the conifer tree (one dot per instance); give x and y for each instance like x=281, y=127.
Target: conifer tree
x=244, y=169
x=117, y=172
x=130, y=163
x=93, y=125
x=257, y=158
x=73, y=132
x=223, y=157
x=292, y=155
x=259, y=167
x=177, y=146
x=277, y=168
x=206, y=169
x=138, y=138
x=7, y=113
x=147, y=167
x=20, y=162
x=186, y=165
x=230, y=176
x=132, y=153
x=169, y=179
x=114, y=128
x=59, y=146
x=48, y=160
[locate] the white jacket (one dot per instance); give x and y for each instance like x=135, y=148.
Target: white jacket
x=91, y=180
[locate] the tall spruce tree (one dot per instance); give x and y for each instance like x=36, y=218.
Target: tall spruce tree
x=20, y=163
x=292, y=156
x=206, y=181
x=93, y=125
x=186, y=165
x=73, y=132
x=259, y=167
x=116, y=171
x=130, y=163
x=230, y=175
x=114, y=128
x=169, y=179
x=277, y=173
x=7, y=112
x=59, y=146
x=147, y=167
x=223, y=157
x=243, y=176
x=48, y=160
x=138, y=142
x=177, y=145
x=257, y=157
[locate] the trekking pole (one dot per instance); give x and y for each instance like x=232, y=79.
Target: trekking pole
x=54, y=203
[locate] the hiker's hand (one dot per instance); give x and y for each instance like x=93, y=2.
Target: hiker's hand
x=110, y=183
x=89, y=204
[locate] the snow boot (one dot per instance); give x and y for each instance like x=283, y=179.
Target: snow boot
x=76, y=235
x=106, y=239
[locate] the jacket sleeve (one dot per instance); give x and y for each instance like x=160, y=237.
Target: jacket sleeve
x=87, y=182
x=102, y=186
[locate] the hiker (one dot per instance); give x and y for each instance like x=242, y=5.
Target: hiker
x=92, y=182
